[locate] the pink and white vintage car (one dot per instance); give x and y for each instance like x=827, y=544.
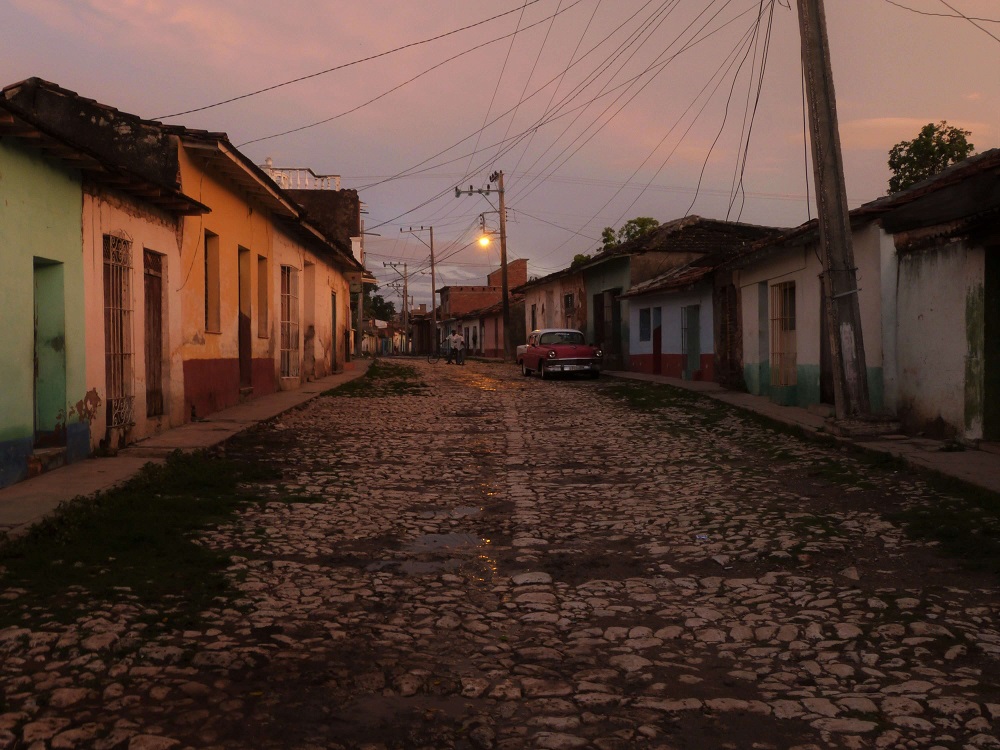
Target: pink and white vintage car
x=558, y=350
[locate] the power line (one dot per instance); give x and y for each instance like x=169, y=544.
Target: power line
x=629, y=42
x=408, y=81
x=538, y=123
x=942, y=15
x=753, y=115
x=724, y=69
x=655, y=68
x=345, y=65
x=661, y=65
x=961, y=15
x=555, y=90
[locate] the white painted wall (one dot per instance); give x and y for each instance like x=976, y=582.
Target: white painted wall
x=889, y=283
x=671, y=304
x=931, y=342
x=798, y=265
x=803, y=266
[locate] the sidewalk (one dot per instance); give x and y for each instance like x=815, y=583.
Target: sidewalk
x=27, y=502
x=977, y=467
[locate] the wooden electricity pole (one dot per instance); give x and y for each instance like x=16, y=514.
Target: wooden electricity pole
x=497, y=177
x=508, y=348
x=434, y=334
x=840, y=286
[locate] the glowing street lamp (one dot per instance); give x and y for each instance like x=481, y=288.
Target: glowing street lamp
x=484, y=241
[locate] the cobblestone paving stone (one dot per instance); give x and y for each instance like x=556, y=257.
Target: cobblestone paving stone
x=499, y=562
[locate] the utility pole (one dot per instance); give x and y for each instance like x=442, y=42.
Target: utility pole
x=359, y=343
x=411, y=230
x=395, y=267
x=497, y=177
x=840, y=286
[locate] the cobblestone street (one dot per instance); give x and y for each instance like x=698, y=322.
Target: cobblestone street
x=482, y=560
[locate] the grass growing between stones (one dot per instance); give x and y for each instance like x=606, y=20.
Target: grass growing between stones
x=131, y=544
x=382, y=379
x=652, y=398
x=962, y=519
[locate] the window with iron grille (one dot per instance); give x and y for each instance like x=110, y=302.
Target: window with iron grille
x=289, y=322
x=118, y=353
x=645, y=324
x=783, y=344
x=568, y=304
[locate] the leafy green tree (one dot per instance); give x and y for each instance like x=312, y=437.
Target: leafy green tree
x=935, y=148
x=628, y=231
x=579, y=259
x=376, y=305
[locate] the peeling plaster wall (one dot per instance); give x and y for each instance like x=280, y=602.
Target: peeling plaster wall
x=150, y=229
x=40, y=203
x=939, y=340
x=557, y=289
x=317, y=338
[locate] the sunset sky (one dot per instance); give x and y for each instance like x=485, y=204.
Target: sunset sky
x=597, y=111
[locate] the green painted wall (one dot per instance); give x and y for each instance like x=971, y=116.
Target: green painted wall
x=806, y=391
x=40, y=240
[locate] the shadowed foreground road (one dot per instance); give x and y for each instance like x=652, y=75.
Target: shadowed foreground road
x=489, y=561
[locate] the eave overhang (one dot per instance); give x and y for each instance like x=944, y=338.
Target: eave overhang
x=100, y=171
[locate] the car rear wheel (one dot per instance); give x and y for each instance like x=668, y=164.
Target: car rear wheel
x=524, y=370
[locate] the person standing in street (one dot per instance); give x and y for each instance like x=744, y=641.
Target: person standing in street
x=460, y=357
x=452, y=341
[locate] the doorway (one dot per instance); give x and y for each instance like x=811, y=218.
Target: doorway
x=49, y=388
x=333, y=332
x=153, y=287
x=245, y=346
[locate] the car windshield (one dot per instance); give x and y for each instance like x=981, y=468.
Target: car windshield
x=561, y=337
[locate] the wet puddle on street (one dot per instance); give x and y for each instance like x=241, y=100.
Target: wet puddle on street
x=462, y=511
x=441, y=553
x=441, y=543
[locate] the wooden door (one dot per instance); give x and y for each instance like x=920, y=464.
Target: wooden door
x=153, y=331
x=245, y=345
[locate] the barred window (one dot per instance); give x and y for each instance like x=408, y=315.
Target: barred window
x=118, y=353
x=289, y=322
x=783, y=344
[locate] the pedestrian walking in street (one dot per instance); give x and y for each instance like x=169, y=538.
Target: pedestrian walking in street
x=460, y=356
x=453, y=341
